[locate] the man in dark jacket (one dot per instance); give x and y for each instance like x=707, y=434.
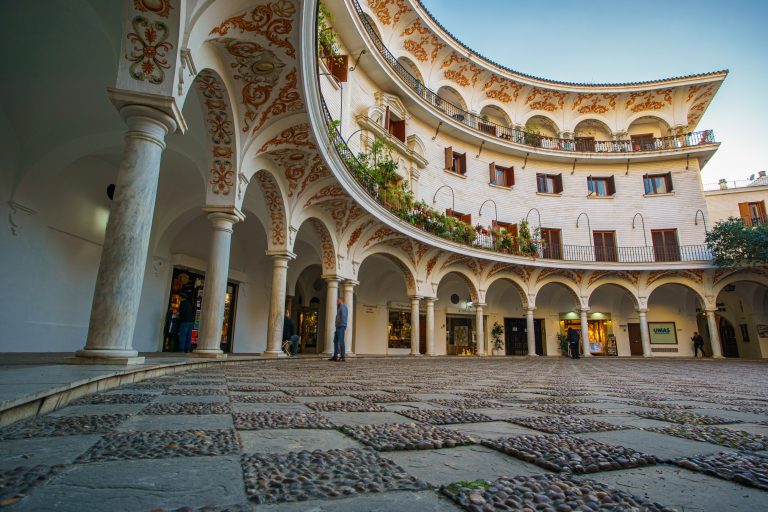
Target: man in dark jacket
x=288, y=334
x=186, y=322
x=698, y=344
x=573, y=341
x=342, y=314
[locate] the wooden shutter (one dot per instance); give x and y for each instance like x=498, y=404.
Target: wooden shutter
x=397, y=129
x=467, y=217
x=386, y=119
x=449, y=158
x=744, y=214
x=668, y=179
x=492, y=172
x=611, y=186
x=761, y=207
x=339, y=66
x=512, y=228
x=463, y=164
x=558, y=183
x=510, y=176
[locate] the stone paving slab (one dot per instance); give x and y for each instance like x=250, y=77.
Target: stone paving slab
x=177, y=422
x=54, y=426
x=16, y=483
x=140, y=485
x=98, y=410
x=287, y=408
x=742, y=468
x=294, y=440
x=491, y=429
x=406, y=436
x=179, y=399
x=365, y=418
x=439, y=467
x=400, y=501
x=665, y=448
x=273, y=419
x=41, y=451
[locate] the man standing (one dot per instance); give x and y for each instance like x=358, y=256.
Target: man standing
x=186, y=322
x=698, y=344
x=288, y=334
x=341, y=327
x=573, y=341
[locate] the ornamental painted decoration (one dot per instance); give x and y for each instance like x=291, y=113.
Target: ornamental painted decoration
x=274, y=202
x=381, y=9
x=326, y=245
x=288, y=100
x=221, y=177
x=161, y=8
x=464, y=72
x=594, y=103
x=497, y=87
x=545, y=99
x=214, y=102
x=150, y=50
x=273, y=21
x=650, y=100
x=419, y=46
x=296, y=136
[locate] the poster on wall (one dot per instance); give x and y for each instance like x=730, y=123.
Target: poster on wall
x=762, y=330
x=663, y=333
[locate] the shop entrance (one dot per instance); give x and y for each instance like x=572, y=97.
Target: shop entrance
x=635, y=340
x=308, y=329
x=516, y=337
x=728, y=338
x=602, y=341
x=399, y=331
x=460, y=336
x=191, y=284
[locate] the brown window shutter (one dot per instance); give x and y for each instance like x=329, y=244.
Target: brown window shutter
x=449, y=157
x=339, y=67
x=744, y=213
x=761, y=207
x=510, y=176
x=467, y=218
x=668, y=178
x=463, y=161
x=513, y=230
x=492, y=172
x=611, y=186
x=386, y=119
x=495, y=226
x=558, y=184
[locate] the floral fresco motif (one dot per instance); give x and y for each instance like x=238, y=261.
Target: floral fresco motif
x=221, y=130
x=425, y=37
x=496, y=88
x=594, y=103
x=546, y=99
x=651, y=100
x=221, y=177
x=150, y=50
x=273, y=21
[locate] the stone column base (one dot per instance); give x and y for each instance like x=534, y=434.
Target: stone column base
x=110, y=357
x=208, y=355
x=277, y=354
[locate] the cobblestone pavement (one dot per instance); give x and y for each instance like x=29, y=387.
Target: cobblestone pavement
x=404, y=434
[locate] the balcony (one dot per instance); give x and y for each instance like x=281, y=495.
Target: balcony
x=520, y=137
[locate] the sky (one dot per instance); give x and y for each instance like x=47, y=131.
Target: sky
x=622, y=41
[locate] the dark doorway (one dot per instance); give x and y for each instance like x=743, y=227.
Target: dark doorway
x=635, y=340
x=728, y=339
x=516, y=337
x=422, y=334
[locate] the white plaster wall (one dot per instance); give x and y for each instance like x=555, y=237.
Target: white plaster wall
x=676, y=303
x=725, y=203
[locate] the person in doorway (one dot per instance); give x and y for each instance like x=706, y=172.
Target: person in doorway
x=698, y=344
x=171, y=330
x=186, y=322
x=341, y=326
x=289, y=337
x=573, y=341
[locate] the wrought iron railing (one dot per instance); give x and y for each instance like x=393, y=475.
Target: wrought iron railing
x=520, y=136
x=492, y=241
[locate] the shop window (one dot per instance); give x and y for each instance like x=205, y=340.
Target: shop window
x=642, y=142
x=601, y=187
x=338, y=66
x=549, y=183
x=605, y=245
x=665, y=245
x=399, y=329
x=552, y=249
x=465, y=217
x=657, y=183
x=501, y=176
x=394, y=125
x=455, y=161
x=753, y=214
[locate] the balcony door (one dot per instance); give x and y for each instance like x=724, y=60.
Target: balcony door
x=605, y=245
x=552, y=245
x=665, y=246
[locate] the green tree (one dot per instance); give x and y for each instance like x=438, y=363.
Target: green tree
x=732, y=243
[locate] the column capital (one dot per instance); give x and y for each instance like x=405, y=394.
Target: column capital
x=479, y=305
x=166, y=108
x=430, y=300
x=224, y=212
x=641, y=311
x=584, y=311
x=415, y=298
x=278, y=255
x=331, y=278
x=529, y=308
x=350, y=282
x=712, y=309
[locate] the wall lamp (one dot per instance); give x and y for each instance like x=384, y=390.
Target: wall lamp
x=453, y=197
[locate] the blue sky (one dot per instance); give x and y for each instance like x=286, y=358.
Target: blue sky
x=619, y=41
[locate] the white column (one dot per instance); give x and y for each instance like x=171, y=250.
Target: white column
x=126, y=240
x=530, y=331
x=215, y=291
x=277, y=303
x=585, y=332
x=645, y=335
x=480, y=330
x=430, y=326
x=714, y=334
x=415, y=326
x=349, y=299
x=331, y=295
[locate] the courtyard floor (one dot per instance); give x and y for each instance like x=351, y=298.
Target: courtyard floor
x=404, y=434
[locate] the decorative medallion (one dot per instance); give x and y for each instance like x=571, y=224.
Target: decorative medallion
x=150, y=49
x=273, y=21
x=161, y=8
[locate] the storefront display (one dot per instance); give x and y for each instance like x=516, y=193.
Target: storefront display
x=460, y=336
x=602, y=341
x=399, y=329
x=192, y=284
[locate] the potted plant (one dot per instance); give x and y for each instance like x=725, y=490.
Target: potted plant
x=527, y=242
x=498, y=343
x=563, y=341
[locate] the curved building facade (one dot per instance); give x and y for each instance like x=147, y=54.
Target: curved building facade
x=275, y=155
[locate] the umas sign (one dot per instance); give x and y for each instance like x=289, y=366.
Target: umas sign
x=663, y=333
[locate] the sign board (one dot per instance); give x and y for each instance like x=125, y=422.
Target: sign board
x=662, y=333
x=762, y=330
x=611, y=349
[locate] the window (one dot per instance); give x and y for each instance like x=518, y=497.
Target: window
x=501, y=176
x=394, y=125
x=642, y=142
x=549, y=183
x=665, y=246
x=338, y=65
x=753, y=213
x=466, y=217
x=551, y=239
x=585, y=143
x=605, y=245
x=455, y=162
x=510, y=228
x=601, y=187
x=657, y=183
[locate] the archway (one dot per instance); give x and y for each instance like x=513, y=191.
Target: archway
x=411, y=68
x=743, y=319
x=543, y=126
x=559, y=307
x=452, y=103
x=674, y=313
x=506, y=307
x=456, y=297
x=613, y=309
x=589, y=132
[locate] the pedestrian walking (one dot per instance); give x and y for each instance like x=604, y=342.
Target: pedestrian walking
x=341, y=326
x=290, y=339
x=573, y=341
x=186, y=322
x=698, y=344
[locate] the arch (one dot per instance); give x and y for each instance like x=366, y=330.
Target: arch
x=615, y=283
x=276, y=207
x=224, y=170
x=697, y=290
x=517, y=283
x=570, y=287
x=495, y=113
x=592, y=127
x=453, y=96
x=393, y=255
x=464, y=276
x=537, y=120
x=660, y=116
x=327, y=247
x=752, y=278
x=411, y=67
